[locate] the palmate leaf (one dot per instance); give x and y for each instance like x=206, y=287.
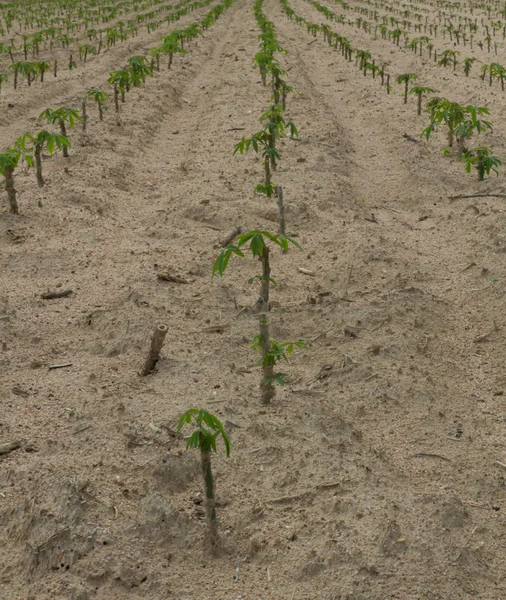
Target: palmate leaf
x=270, y=153
x=279, y=378
x=268, y=189
x=257, y=244
x=203, y=438
x=221, y=263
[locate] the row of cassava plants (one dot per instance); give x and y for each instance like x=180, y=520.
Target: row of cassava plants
x=30, y=70
x=58, y=35
x=29, y=147
x=482, y=158
x=256, y=244
x=402, y=26
x=134, y=74
x=448, y=58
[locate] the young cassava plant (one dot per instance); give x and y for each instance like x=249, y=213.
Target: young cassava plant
x=39, y=141
x=405, y=80
x=9, y=160
x=264, y=143
x=62, y=116
x=100, y=99
x=419, y=90
x=256, y=242
x=207, y=431
x=483, y=160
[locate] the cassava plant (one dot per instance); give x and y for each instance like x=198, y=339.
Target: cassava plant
x=264, y=143
x=208, y=429
x=34, y=144
x=100, y=97
x=460, y=121
x=405, y=80
x=63, y=116
x=9, y=160
x=256, y=242
x=483, y=160
x=419, y=90
x=140, y=68
x=468, y=64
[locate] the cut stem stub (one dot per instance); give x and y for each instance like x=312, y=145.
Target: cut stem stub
x=154, y=351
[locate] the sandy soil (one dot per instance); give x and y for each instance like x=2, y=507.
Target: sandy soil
x=379, y=471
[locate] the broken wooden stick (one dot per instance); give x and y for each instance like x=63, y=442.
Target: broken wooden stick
x=60, y=366
x=60, y=294
x=166, y=276
x=460, y=196
x=9, y=447
x=157, y=340
x=230, y=236
x=305, y=271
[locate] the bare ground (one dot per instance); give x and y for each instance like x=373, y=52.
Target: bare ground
x=374, y=474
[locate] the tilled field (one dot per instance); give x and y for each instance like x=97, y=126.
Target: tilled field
x=379, y=470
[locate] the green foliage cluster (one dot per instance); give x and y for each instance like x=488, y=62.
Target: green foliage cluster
x=460, y=123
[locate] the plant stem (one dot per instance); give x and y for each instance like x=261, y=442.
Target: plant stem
x=63, y=131
x=267, y=171
x=281, y=210
x=116, y=103
x=9, y=188
x=419, y=104
x=85, y=116
x=38, y=165
x=481, y=170
x=266, y=277
x=267, y=385
x=154, y=351
x=205, y=462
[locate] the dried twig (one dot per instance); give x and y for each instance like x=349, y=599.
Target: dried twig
x=165, y=276
x=60, y=294
x=465, y=544
x=230, y=236
x=9, y=447
x=212, y=329
x=422, y=454
x=476, y=196
x=60, y=366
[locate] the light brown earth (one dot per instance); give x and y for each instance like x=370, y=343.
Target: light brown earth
x=379, y=472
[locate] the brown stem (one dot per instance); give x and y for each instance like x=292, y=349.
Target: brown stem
x=116, y=98
x=267, y=172
x=63, y=131
x=281, y=210
x=9, y=188
x=266, y=276
x=85, y=115
x=267, y=388
x=205, y=462
x=38, y=165
x=154, y=351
